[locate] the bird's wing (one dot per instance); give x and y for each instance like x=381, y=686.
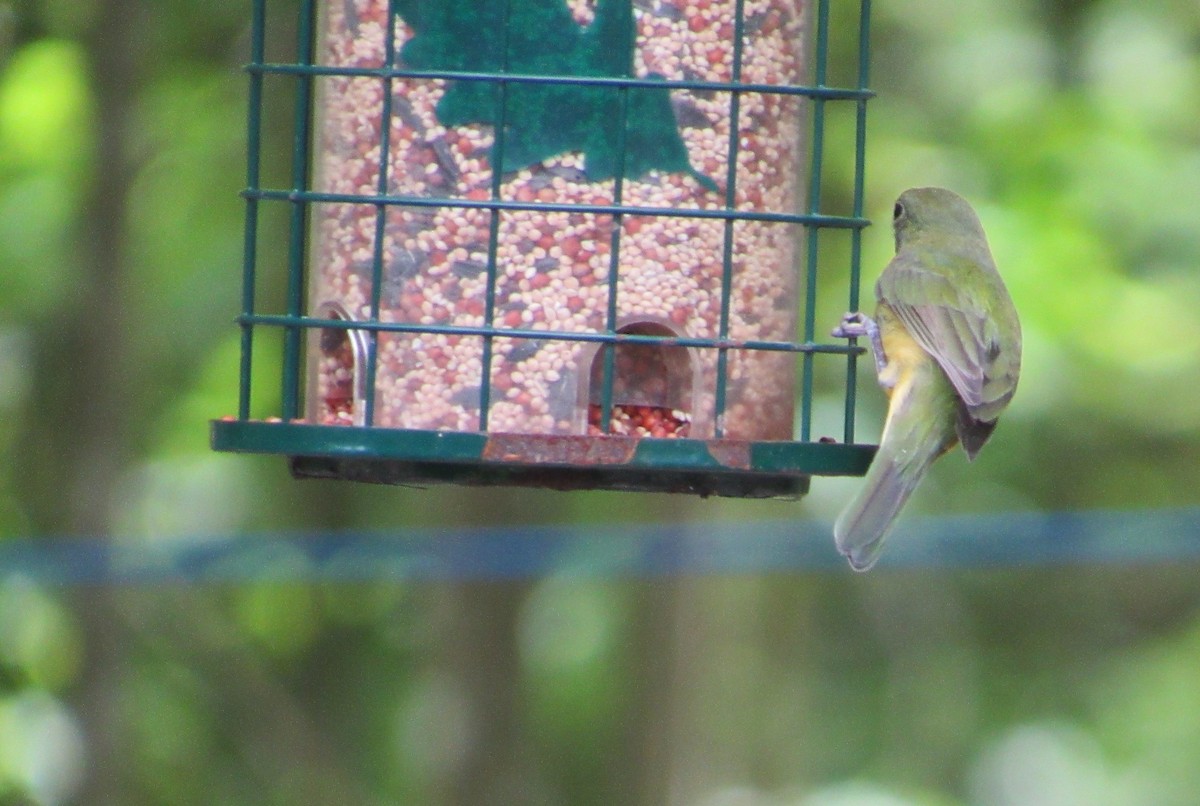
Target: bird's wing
x=951, y=324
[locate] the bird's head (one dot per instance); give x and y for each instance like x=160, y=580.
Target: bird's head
x=922, y=211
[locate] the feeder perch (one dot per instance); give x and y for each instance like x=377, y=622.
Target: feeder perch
x=562, y=243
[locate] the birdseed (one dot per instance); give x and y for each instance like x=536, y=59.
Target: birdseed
x=553, y=267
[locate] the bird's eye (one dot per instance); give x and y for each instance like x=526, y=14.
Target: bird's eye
x=898, y=212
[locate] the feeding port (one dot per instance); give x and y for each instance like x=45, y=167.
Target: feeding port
x=337, y=385
x=652, y=388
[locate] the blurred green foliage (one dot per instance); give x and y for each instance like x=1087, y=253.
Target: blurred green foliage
x=1074, y=128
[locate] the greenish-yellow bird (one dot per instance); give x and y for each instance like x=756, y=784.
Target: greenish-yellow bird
x=947, y=347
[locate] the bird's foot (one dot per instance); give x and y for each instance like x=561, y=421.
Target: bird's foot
x=857, y=324
x=854, y=325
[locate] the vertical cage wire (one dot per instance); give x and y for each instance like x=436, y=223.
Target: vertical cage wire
x=735, y=105
x=298, y=221
x=820, y=70
x=377, y=256
x=614, y=261
x=860, y=160
x=258, y=26
x=493, y=267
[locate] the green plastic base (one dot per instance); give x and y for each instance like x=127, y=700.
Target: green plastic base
x=394, y=456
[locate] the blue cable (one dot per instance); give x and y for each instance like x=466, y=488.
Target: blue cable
x=1013, y=540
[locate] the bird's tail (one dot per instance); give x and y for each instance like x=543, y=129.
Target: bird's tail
x=919, y=429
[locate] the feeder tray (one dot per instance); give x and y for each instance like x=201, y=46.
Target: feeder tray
x=551, y=243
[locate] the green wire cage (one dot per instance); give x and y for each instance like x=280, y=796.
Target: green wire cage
x=560, y=243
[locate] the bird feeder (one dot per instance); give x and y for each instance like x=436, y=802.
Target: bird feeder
x=562, y=243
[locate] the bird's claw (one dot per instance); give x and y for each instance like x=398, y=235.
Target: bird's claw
x=854, y=325
x=857, y=324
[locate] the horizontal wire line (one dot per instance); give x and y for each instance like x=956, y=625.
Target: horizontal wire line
x=325, y=197
x=284, y=320
x=808, y=91
x=1000, y=541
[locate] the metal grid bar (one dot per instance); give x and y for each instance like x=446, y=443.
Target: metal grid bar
x=808, y=91
x=735, y=106
x=493, y=268
x=814, y=205
x=383, y=183
x=860, y=151
x=814, y=219
x=258, y=29
x=614, y=262
x=301, y=151
x=281, y=320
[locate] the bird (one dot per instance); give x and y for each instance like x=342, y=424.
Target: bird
x=946, y=340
